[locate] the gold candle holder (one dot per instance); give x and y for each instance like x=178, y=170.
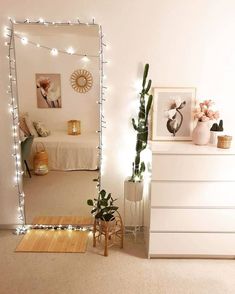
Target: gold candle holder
x=74, y=127
x=224, y=142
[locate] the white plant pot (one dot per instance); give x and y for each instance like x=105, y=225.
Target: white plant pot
x=133, y=191
x=214, y=137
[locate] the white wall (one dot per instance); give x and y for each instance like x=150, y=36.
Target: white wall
x=31, y=60
x=186, y=42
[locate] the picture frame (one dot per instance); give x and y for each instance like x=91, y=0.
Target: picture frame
x=172, y=115
x=48, y=87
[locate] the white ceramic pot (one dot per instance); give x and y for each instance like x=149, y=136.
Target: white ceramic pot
x=201, y=133
x=214, y=137
x=133, y=191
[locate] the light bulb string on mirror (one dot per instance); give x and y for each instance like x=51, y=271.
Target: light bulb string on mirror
x=13, y=94
x=54, y=50
x=16, y=142
x=41, y=21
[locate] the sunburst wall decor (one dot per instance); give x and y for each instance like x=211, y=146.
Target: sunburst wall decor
x=81, y=80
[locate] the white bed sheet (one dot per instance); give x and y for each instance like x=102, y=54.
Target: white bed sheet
x=67, y=152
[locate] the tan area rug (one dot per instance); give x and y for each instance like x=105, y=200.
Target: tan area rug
x=63, y=220
x=59, y=241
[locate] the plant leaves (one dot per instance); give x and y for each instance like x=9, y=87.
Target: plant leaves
x=94, y=210
x=90, y=202
x=102, y=193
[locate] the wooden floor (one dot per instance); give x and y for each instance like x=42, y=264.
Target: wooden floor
x=59, y=241
x=63, y=220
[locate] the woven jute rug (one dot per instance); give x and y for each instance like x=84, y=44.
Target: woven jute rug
x=63, y=220
x=58, y=241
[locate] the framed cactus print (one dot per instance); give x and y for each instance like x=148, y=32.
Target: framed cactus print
x=172, y=116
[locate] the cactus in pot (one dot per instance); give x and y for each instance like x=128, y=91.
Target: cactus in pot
x=141, y=127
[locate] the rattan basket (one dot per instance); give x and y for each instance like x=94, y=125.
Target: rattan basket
x=224, y=142
x=40, y=161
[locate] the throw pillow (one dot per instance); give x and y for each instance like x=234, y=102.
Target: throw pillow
x=30, y=125
x=41, y=129
x=23, y=126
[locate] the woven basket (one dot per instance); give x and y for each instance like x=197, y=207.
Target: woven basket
x=224, y=142
x=40, y=161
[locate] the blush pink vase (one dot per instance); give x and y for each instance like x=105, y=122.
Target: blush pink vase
x=201, y=133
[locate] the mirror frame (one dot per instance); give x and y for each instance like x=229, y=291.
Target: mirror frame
x=13, y=108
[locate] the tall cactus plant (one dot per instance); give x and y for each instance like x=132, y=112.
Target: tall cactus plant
x=141, y=127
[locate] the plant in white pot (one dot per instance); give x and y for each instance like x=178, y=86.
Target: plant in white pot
x=133, y=187
x=216, y=130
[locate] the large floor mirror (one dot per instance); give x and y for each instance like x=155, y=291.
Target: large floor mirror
x=58, y=83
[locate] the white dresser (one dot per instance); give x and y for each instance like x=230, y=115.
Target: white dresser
x=190, y=211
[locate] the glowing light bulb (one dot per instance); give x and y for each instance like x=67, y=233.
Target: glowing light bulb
x=85, y=58
x=38, y=45
x=24, y=41
x=5, y=34
x=70, y=50
x=41, y=20
x=54, y=51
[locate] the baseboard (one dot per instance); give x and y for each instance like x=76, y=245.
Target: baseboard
x=8, y=227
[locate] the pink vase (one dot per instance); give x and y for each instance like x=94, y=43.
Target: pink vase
x=201, y=133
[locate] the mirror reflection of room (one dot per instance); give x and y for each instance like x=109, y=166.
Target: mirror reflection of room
x=58, y=89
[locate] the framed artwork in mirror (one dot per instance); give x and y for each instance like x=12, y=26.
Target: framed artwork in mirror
x=81, y=80
x=48, y=90
x=172, y=118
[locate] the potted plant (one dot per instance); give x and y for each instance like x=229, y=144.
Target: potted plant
x=133, y=186
x=204, y=114
x=216, y=130
x=103, y=208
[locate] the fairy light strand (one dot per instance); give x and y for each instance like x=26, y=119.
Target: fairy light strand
x=69, y=51
x=12, y=91
x=13, y=105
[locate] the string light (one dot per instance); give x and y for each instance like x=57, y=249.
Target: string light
x=85, y=58
x=54, y=51
x=24, y=41
x=13, y=109
x=70, y=51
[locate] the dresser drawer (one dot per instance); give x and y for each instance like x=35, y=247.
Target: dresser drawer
x=199, y=194
x=193, y=167
x=199, y=244
x=192, y=220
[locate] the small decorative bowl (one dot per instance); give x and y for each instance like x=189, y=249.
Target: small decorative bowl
x=224, y=142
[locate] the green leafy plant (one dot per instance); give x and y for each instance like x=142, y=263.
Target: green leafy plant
x=141, y=127
x=217, y=127
x=103, y=207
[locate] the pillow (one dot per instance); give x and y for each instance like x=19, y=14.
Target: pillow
x=41, y=129
x=29, y=124
x=22, y=135
x=23, y=126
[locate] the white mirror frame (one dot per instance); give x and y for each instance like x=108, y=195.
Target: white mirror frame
x=13, y=108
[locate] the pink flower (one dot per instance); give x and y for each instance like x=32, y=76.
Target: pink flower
x=204, y=118
x=216, y=115
x=199, y=114
x=210, y=114
x=204, y=112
